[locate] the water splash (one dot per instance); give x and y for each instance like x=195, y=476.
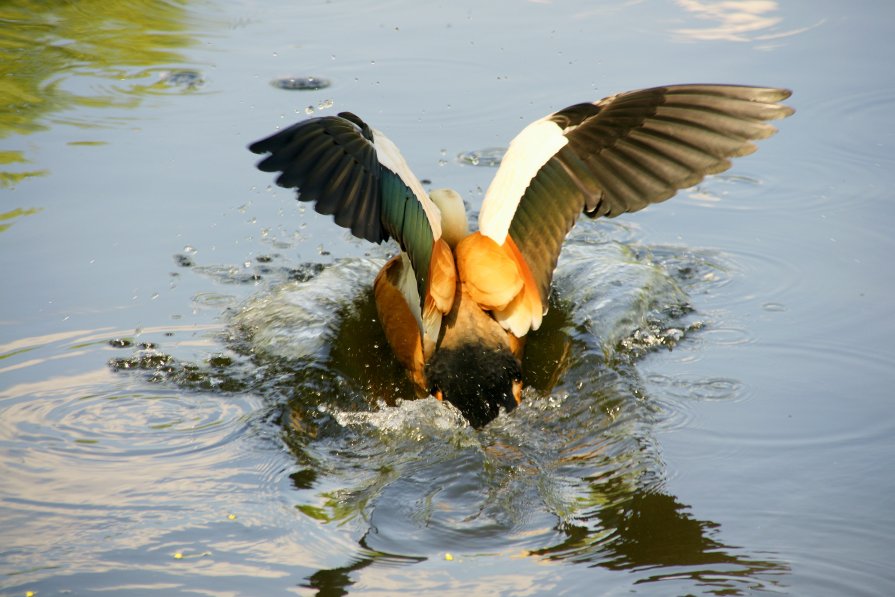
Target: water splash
x=560, y=478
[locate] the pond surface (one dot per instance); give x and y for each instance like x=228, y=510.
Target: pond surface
x=193, y=399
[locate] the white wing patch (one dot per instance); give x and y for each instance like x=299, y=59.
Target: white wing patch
x=389, y=156
x=537, y=143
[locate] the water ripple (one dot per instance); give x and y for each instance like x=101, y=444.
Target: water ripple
x=840, y=162
x=123, y=425
x=410, y=479
x=769, y=277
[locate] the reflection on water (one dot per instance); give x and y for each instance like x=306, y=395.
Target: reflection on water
x=8, y=219
x=736, y=21
x=573, y=474
x=89, y=54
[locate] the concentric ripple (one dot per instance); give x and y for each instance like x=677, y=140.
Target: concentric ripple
x=123, y=425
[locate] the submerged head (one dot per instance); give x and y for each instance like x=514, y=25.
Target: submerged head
x=478, y=381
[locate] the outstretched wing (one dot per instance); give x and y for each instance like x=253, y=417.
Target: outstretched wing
x=613, y=156
x=356, y=174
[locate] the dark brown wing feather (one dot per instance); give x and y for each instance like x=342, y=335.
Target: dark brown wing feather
x=633, y=149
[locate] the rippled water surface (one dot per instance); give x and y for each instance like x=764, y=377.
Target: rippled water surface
x=194, y=394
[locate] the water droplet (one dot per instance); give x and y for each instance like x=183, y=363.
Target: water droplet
x=309, y=110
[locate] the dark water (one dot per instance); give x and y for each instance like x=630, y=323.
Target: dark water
x=181, y=411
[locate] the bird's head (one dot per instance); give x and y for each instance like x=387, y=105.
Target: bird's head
x=477, y=380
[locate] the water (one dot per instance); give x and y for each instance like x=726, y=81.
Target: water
x=715, y=420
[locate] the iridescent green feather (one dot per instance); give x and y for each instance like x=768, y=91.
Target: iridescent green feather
x=404, y=218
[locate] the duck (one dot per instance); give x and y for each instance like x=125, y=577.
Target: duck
x=456, y=305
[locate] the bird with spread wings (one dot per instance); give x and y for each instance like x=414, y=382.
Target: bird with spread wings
x=456, y=305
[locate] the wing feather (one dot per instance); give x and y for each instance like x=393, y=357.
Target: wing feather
x=614, y=156
x=357, y=175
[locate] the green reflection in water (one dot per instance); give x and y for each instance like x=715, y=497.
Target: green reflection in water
x=10, y=179
x=48, y=51
x=7, y=218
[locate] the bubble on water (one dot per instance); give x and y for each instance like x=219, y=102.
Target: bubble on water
x=309, y=83
x=774, y=307
x=214, y=299
x=186, y=79
x=488, y=158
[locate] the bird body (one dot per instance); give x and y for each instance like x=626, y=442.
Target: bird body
x=456, y=305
